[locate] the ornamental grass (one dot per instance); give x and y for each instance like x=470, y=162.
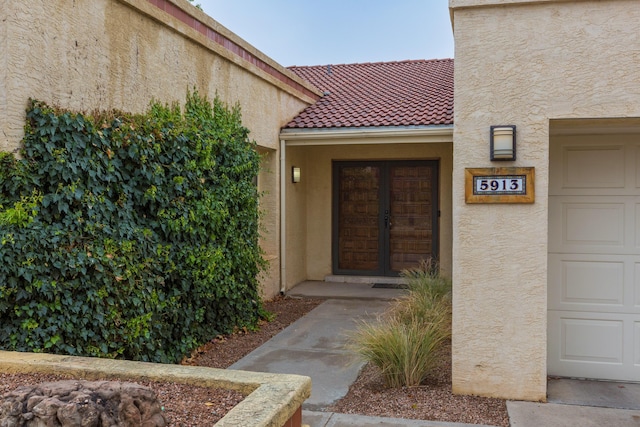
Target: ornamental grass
x=405, y=342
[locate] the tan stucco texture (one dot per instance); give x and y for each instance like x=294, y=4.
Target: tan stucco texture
x=523, y=63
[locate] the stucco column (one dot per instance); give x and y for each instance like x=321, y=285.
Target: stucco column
x=523, y=63
x=499, y=250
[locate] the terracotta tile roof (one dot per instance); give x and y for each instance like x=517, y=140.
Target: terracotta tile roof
x=404, y=93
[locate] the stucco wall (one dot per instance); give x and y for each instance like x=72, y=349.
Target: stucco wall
x=268, y=183
x=104, y=54
x=523, y=63
x=297, y=217
x=4, y=146
x=312, y=200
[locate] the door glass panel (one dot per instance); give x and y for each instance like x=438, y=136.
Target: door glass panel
x=358, y=213
x=411, y=221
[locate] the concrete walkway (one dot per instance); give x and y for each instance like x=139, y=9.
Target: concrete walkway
x=315, y=346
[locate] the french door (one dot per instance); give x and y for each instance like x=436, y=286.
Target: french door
x=385, y=216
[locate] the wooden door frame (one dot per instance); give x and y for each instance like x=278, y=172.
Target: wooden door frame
x=383, y=239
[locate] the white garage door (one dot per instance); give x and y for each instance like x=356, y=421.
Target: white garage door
x=594, y=257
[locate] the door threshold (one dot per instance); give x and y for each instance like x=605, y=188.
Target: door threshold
x=374, y=280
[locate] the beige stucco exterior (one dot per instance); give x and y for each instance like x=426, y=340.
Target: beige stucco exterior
x=523, y=63
x=309, y=203
x=121, y=54
x=542, y=65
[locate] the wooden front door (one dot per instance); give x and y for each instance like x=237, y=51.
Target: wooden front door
x=385, y=216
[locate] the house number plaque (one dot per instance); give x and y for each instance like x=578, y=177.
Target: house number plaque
x=499, y=185
x=514, y=184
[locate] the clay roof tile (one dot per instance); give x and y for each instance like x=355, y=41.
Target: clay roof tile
x=402, y=93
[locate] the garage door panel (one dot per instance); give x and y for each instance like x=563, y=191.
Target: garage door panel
x=636, y=346
x=583, y=166
x=635, y=292
x=636, y=226
x=587, y=224
x=593, y=282
x=594, y=224
x=588, y=345
x=593, y=166
x=586, y=282
x=591, y=340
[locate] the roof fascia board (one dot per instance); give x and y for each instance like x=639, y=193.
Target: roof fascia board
x=375, y=135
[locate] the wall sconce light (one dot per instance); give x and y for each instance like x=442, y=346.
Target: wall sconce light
x=503, y=142
x=295, y=174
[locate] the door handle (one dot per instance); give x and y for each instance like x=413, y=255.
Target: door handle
x=387, y=219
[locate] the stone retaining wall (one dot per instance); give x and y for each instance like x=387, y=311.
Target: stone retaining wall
x=273, y=400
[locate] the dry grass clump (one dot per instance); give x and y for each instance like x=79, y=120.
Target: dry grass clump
x=404, y=342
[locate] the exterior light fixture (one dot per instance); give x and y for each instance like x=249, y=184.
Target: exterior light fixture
x=503, y=142
x=295, y=174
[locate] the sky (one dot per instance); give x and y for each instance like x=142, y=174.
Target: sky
x=320, y=32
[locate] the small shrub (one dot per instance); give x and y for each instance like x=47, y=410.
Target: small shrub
x=404, y=343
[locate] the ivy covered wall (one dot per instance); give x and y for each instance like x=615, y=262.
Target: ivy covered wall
x=129, y=236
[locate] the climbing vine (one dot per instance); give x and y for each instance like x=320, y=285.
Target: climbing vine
x=129, y=236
